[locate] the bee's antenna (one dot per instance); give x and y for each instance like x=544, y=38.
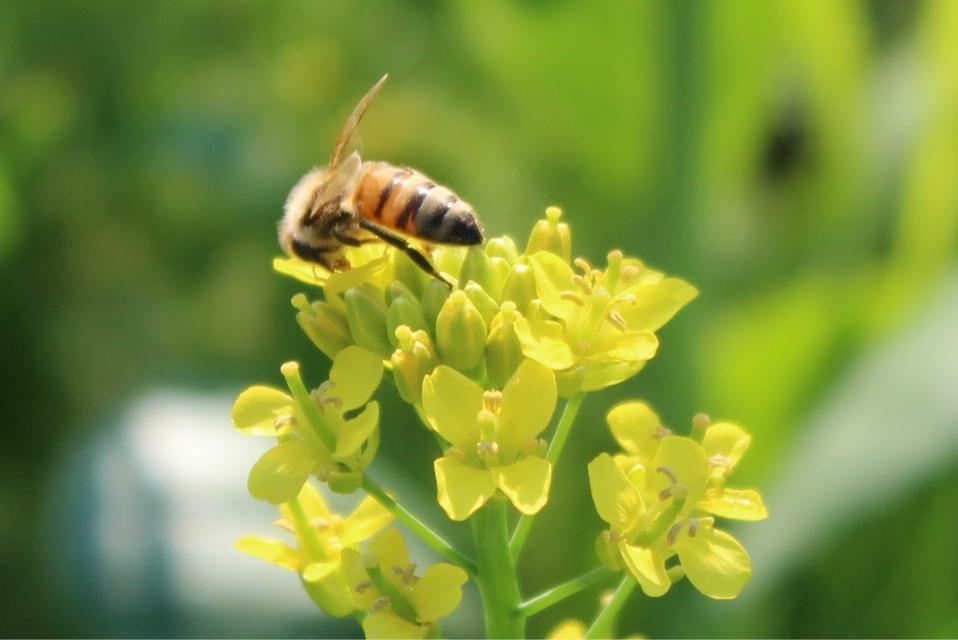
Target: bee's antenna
x=352, y=122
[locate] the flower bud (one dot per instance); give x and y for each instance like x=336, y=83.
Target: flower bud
x=413, y=360
x=551, y=235
x=408, y=273
x=344, y=482
x=324, y=324
x=460, y=333
x=479, y=268
x=484, y=303
x=520, y=286
x=434, y=296
x=366, y=316
x=396, y=289
x=502, y=247
x=404, y=310
x=608, y=552
x=503, y=349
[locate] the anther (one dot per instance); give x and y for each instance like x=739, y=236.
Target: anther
x=362, y=586
x=662, y=432
x=701, y=421
x=492, y=401
x=668, y=473
x=673, y=533
x=626, y=298
x=583, y=265
x=580, y=282
x=333, y=400
x=281, y=421
x=487, y=449
x=617, y=320
x=322, y=524
x=285, y=525
x=409, y=574
x=573, y=297
x=630, y=271
x=693, y=527
x=380, y=604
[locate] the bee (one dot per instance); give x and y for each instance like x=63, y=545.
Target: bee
x=351, y=202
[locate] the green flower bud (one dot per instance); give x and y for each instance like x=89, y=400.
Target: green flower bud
x=406, y=272
x=551, y=235
x=413, y=360
x=366, y=315
x=434, y=296
x=520, y=286
x=324, y=324
x=503, y=349
x=404, y=310
x=502, y=247
x=486, y=305
x=479, y=267
x=608, y=552
x=460, y=333
x=396, y=289
x=344, y=482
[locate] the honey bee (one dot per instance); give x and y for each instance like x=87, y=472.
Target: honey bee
x=351, y=202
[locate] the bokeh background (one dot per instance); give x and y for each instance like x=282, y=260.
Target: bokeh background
x=796, y=160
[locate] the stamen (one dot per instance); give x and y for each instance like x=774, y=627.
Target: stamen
x=630, y=271
x=456, y=453
x=487, y=449
x=362, y=586
x=281, y=421
x=409, y=574
x=673, y=533
x=573, y=297
x=322, y=524
x=580, y=282
x=693, y=527
x=662, y=432
x=323, y=475
x=626, y=298
x=285, y=525
x=617, y=320
x=667, y=472
x=719, y=460
x=701, y=421
x=615, y=536
x=492, y=401
x=584, y=265
x=380, y=604
x=333, y=400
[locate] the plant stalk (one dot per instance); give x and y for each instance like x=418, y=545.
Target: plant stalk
x=604, y=623
x=497, y=580
x=560, y=592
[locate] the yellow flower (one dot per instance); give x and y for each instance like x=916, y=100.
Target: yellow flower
x=654, y=496
x=314, y=435
x=494, y=438
x=321, y=537
x=595, y=329
x=401, y=604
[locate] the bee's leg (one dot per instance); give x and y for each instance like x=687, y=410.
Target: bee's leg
x=400, y=243
x=317, y=255
x=343, y=236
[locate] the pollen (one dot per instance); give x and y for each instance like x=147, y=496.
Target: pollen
x=492, y=401
x=616, y=320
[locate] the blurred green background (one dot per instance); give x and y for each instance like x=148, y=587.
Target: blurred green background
x=797, y=160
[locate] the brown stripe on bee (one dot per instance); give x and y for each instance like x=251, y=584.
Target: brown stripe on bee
x=429, y=220
x=397, y=179
x=411, y=209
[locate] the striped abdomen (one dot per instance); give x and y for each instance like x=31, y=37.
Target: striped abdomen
x=407, y=201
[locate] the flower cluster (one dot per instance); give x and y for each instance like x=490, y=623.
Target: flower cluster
x=660, y=497
x=484, y=363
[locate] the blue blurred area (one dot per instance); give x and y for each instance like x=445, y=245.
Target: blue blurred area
x=795, y=160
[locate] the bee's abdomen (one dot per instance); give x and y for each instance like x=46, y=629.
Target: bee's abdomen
x=408, y=201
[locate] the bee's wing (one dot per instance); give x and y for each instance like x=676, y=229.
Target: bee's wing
x=352, y=122
x=341, y=180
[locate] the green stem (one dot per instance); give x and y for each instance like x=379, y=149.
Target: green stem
x=603, y=624
x=306, y=533
x=497, y=575
x=418, y=527
x=556, y=594
x=569, y=413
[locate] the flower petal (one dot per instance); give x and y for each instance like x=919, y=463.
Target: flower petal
x=274, y=551
x=648, y=567
x=526, y=483
x=656, y=303
x=599, y=375
x=331, y=594
x=439, y=591
x=318, y=570
x=357, y=579
x=312, y=501
x=684, y=460
x=391, y=554
x=568, y=630
x=528, y=401
x=386, y=625
x=548, y=350
x=256, y=409
x=461, y=489
x=735, y=504
x=553, y=276
x=301, y=270
x=281, y=472
x=451, y=402
x=637, y=429
x=634, y=346
x=714, y=562
x=727, y=440
x=617, y=500
x=364, y=522
x=355, y=432
x=341, y=281
x=355, y=375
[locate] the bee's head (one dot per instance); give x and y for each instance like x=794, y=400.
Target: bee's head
x=299, y=203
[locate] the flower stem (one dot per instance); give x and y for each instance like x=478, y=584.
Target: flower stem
x=558, y=593
x=603, y=624
x=569, y=413
x=497, y=575
x=306, y=533
x=418, y=527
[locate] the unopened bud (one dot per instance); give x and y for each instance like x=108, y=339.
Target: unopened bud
x=323, y=324
x=478, y=267
x=502, y=247
x=460, y=333
x=484, y=303
x=404, y=311
x=503, y=349
x=551, y=235
x=434, y=294
x=344, y=482
x=413, y=360
x=366, y=316
x=408, y=273
x=520, y=286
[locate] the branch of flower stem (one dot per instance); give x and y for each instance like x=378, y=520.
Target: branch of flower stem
x=560, y=592
x=603, y=624
x=418, y=527
x=569, y=413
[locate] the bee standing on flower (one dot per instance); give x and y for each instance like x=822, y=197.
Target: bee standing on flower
x=351, y=202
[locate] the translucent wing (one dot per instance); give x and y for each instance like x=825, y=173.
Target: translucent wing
x=352, y=122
